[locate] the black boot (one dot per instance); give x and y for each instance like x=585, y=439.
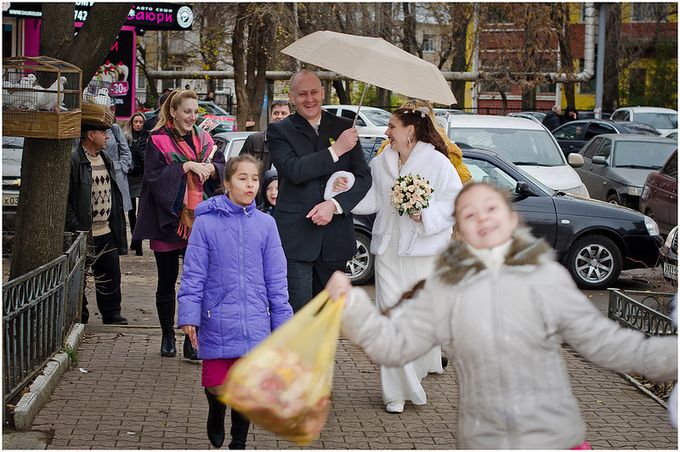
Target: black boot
x=239, y=430
x=216, y=411
x=165, y=305
x=188, y=350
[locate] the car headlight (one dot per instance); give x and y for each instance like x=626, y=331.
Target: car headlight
x=633, y=191
x=671, y=236
x=651, y=226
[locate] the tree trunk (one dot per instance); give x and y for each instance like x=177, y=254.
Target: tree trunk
x=610, y=94
x=409, y=42
x=238, y=51
x=41, y=212
x=343, y=96
x=529, y=98
x=560, y=20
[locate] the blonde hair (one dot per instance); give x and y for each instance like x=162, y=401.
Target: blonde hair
x=505, y=195
x=173, y=102
x=415, y=104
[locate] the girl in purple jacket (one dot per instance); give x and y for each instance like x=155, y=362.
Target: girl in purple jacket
x=233, y=291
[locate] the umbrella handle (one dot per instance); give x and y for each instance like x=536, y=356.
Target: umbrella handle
x=363, y=93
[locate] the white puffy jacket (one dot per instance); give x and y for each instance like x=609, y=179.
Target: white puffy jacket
x=504, y=330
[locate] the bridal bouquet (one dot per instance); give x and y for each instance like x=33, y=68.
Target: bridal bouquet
x=411, y=194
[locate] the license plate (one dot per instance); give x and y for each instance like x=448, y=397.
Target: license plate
x=10, y=200
x=670, y=271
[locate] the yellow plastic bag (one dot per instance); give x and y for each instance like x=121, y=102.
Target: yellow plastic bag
x=284, y=384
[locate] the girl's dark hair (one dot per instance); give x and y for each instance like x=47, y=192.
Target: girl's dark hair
x=232, y=164
x=173, y=101
x=423, y=125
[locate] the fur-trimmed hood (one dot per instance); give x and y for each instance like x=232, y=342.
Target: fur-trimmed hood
x=457, y=262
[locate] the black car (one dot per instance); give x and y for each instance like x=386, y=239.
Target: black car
x=594, y=240
x=573, y=135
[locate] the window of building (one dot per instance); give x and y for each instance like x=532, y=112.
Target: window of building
x=648, y=12
x=428, y=43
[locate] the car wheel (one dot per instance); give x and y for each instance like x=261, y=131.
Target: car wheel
x=613, y=198
x=360, y=267
x=594, y=261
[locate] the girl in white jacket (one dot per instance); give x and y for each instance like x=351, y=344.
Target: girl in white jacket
x=501, y=307
x=407, y=246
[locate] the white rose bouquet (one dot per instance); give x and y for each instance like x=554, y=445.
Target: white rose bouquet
x=411, y=194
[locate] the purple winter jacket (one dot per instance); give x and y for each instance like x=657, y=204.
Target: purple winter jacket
x=233, y=285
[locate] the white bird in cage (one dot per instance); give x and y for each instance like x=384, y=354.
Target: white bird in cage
x=48, y=100
x=103, y=97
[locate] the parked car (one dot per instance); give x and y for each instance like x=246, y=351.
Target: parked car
x=589, y=114
x=669, y=257
x=573, y=135
x=616, y=166
x=230, y=143
x=371, y=120
x=360, y=267
x=12, y=149
x=536, y=116
x=595, y=241
x=525, y=143
x=659, y=198
x=663, y=119
x=672, y=135
x=209, y=109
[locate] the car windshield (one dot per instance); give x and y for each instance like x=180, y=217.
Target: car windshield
x=521, y=147
x=658, y=120
x=378, y=117
x=641, y=154
x=212, y=109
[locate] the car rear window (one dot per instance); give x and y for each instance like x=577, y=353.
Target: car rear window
x=658, y=120
x=641, y=154
x=521, y=147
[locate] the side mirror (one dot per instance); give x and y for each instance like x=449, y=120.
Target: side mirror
x=599, y=160
x=575, y=160
x=524, y=190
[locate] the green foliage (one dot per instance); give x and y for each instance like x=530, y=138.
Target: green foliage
x=663, y=82
x=72, y=354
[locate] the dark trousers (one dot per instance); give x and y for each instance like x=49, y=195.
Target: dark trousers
x=306, y=279
x=132, y=214
x=106, y=270
x=167, y=265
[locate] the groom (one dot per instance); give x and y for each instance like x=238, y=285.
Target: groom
x=307, y=148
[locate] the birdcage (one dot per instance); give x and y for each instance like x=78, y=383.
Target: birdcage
x=98, y=107
x=41, y=97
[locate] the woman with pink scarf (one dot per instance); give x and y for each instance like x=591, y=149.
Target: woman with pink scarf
x=181, y=169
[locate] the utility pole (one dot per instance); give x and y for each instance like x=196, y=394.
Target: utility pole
x=599, y=68
x=295, y=16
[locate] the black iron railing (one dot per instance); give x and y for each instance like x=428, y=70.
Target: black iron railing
x=38, y=310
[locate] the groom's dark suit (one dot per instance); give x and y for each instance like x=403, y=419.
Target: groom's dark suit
x=304, y=165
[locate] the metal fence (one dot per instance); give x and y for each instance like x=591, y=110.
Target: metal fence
x=649, y=313
x=39, y=308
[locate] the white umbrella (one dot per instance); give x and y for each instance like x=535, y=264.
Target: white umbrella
x=374, y=61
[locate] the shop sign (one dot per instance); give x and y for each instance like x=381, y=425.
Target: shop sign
x=143, y=16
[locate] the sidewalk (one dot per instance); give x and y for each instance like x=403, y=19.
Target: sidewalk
x=131, y=398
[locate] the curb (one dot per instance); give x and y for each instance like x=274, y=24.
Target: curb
x=42, y=387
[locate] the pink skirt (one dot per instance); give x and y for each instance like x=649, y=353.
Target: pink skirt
x=215, y=371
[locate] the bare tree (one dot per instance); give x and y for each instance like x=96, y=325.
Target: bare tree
x=252, y=42
x=214, y=23
x=41, y=214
